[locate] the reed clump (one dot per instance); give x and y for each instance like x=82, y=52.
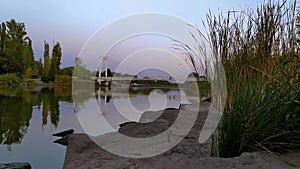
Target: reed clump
x=260, y=55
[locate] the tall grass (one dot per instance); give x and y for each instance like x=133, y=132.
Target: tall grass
x=260, y=55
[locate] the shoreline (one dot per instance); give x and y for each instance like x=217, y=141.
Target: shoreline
x=82, y=152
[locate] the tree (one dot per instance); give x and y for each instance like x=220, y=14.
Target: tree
x=109, y=73
x=47, y=64
x=55, y=61
x=68, y=71
x=78, y=61
x=37, y=68
x=3, y=40
x=28, y=59
x=28, y=73
x=16, y=30
x=80, y=71
x=16, y=54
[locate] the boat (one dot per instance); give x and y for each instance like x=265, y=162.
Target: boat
x=137, y=86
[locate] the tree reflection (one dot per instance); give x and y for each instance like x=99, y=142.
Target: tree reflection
x=15, y=114
x=50, y=106
x=17, y=106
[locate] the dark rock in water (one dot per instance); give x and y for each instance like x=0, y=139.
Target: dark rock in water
x=206, y=100
x=62, y=141
x=64, y=133
x=126, y=123
x=15, y=166
x=172, y=109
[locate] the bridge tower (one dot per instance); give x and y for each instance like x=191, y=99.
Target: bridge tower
x=105, y=79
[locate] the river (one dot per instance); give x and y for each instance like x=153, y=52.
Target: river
x=29, y=117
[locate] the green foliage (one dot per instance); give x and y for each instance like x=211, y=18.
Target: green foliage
x=55, y=61
x=204, y=88
x=29, y=82
x=109, y=73
x=16, y=54
x=51, y=65
x=9, y=80
x=68, y=71
x=80, y=72
x=259, y=115
x=28, y=73
x=261, y=60
x=28, y=56
x=47, y=63
x=63, y=81
x=37, y=69
x=16, y=110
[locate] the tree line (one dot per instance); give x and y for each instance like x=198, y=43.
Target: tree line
x=17, y=56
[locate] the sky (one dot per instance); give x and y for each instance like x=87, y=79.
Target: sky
x=73, y=22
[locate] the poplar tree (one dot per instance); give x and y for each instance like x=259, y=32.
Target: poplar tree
x=47, y=64
x=55, y=61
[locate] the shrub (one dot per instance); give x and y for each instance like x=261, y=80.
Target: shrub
x=9, y=80
x=63, y=80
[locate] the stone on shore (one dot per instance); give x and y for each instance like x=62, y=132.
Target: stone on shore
x=63, y=140
x=64, y=133
x=22, y=165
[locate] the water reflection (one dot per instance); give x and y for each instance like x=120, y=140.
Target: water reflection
x=17, y=107
x=115, y=106
x=105, y=94
x=15, y=114
x=28, y=117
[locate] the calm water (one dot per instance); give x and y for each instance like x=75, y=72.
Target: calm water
x=29, y=117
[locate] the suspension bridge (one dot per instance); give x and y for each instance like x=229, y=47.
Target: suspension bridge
x=106, y=80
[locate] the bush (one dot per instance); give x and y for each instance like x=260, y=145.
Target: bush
x=10, y=80
x=63, y=80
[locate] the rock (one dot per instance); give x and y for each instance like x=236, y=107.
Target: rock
x=205, y=99
x=144, y=130
x=22, y=165
x=126, y=123
x=64, y=133
x=62, y=141
x=150, y=116
x=81, y=146
x=82, y=152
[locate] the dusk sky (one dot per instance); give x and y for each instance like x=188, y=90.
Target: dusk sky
x=73, y=22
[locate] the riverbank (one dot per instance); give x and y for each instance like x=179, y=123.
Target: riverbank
x=82, y=152
x=12, y=80
x=63, y=82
